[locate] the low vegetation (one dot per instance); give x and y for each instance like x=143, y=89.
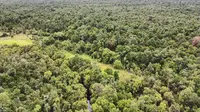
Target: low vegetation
x=18, y=39
x=123, y=74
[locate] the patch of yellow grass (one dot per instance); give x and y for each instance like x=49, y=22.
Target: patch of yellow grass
x=18, y=42
x=19, y=39
x=84, y=56
x=123, y=74
x=69, y=55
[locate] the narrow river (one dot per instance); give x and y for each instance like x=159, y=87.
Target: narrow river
x=89, y=106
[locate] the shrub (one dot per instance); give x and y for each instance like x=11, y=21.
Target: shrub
x=118, y=65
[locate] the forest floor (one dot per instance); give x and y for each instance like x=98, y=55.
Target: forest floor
x=19, y=39
x=122, y=73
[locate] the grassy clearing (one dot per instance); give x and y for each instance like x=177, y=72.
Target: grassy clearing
x=69, y=55
x=123, y=74
x=84, y=56
x=19, y=39
x=18, y=42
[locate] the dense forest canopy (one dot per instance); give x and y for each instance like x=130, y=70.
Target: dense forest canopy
x=99, y=55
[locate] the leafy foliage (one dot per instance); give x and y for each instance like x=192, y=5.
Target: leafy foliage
x=156, y=67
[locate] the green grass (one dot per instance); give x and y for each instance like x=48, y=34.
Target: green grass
x=69, y=55
x=18, y=42
x=84, y=56
x=19, y=39
x=123, y=74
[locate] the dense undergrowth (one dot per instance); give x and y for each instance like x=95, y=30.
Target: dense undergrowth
x=151, y=42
